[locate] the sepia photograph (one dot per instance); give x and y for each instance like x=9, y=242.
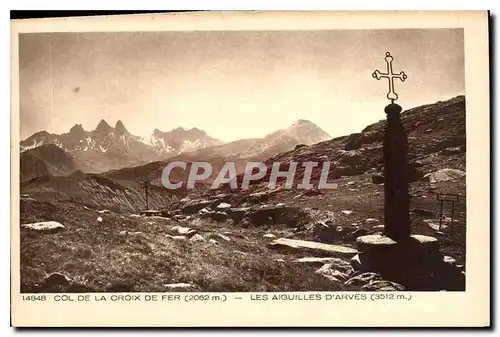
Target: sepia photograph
x=243, y=161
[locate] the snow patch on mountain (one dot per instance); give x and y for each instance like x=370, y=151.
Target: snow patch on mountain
x=32, y=146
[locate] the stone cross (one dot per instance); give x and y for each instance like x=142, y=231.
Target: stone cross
x=390, y=76
x=396, y=171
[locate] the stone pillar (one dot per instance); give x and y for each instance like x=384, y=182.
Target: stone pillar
x=415, y=261
x=396, y=172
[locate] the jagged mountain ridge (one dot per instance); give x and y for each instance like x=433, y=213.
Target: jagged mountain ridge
x=107, y=148
x=180, y=140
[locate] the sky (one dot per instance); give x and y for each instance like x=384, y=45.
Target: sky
x=232, y=84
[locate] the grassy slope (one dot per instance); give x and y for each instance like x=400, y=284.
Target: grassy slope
x=96, y=256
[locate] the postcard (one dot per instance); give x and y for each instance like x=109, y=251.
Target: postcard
x=249, y=169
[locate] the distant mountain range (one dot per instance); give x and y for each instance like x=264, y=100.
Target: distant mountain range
x=106, y=148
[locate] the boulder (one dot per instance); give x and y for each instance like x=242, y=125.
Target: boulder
x=445, y=174
x=302, y=246
x=196, y=238
x=363, y=279
x=449, y=260
x=269, y=236
x=44, y=227
x=378, y=178
x=326, y=232
x=357, y=265
x=179, y=230
x=335, y=272
x=435, y=226
x=223, y=205
x=351, y=157
x=56, y=280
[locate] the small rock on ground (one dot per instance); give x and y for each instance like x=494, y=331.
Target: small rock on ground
x=196, y=238
x=44, y=227
x=181, y=286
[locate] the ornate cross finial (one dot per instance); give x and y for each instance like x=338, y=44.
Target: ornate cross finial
x=390, y=76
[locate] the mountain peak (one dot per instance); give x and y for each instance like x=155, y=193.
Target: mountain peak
x=303, y=122
x=306, y=132
x=120, y=128
x=103, y=127
x=77, y=129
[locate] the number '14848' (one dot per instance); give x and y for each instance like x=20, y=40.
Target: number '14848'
x=34, y=297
